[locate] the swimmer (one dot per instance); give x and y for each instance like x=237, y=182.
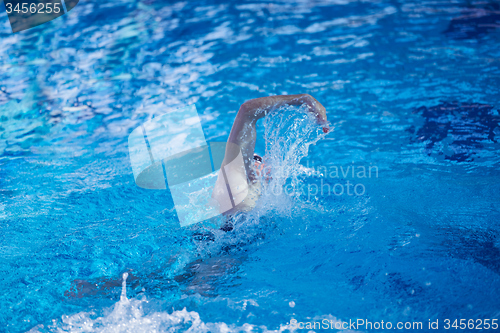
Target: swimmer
x=243, y=135
x=245, y=186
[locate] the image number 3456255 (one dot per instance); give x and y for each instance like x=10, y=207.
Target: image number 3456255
x=26, y=14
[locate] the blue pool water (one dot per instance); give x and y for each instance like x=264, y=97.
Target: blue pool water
x=411, y=90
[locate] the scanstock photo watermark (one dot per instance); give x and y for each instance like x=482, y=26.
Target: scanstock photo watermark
x=356, y=173
x=370, y=325
x=335, y=180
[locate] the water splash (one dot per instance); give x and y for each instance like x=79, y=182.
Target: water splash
x=132, y=315
x=289, y=132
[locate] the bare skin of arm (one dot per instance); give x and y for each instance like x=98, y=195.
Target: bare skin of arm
x=243, y=132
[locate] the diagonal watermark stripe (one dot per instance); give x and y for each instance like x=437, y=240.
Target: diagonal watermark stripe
x=204, y=179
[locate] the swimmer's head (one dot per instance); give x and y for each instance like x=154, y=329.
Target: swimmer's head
x=260, y=166
x=257, y=162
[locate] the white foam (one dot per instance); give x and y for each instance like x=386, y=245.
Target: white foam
x=128, y=315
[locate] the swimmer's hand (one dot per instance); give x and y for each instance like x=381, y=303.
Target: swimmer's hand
x=318, y=110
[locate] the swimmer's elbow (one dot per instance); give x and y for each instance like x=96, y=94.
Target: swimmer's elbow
x=248, y=109
x=308, y=98
x=258, y=107
x=305, y=99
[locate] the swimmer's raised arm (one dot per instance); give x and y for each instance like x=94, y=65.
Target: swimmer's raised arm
x=243, y=132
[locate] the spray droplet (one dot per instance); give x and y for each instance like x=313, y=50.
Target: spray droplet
x=123, y=296
x=292, y=304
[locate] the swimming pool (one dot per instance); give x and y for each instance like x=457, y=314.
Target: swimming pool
x=411, y=90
